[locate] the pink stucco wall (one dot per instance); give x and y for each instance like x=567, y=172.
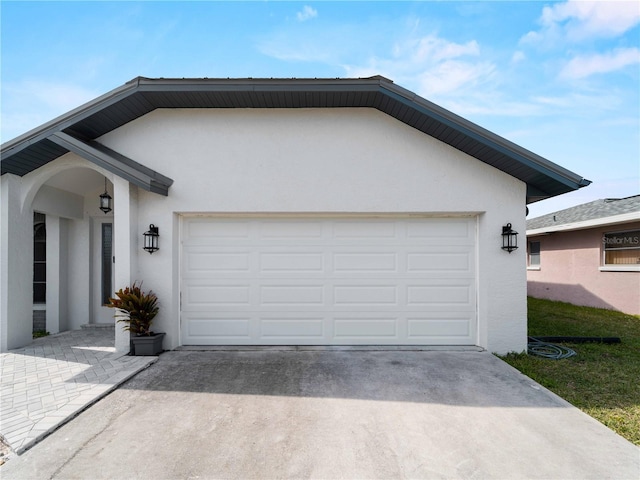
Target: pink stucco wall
x=569, y=272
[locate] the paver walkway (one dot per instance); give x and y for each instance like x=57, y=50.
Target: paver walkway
x=50, y=381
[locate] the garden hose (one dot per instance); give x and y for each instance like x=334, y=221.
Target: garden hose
x=548, y=350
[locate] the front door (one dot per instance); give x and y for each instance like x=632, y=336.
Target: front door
x=102, y=269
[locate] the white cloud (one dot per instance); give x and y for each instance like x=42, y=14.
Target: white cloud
x=587, y=19
x=577, y=20
x=453, y=76
x=437, y=65
x=585, y=65
x=531, y=38
x=15, y=124
x=304, y=51
x=491, y=104
x=307, y=13
x=518, y=56
x=434, y=49
x=573, y=101
x=38, y=102
x=57, y=96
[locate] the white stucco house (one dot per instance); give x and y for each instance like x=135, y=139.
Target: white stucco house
x=289, y=212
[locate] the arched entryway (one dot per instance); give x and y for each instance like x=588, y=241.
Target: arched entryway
x=78, y=250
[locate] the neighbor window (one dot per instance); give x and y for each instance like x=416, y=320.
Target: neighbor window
x=622, y=248
x=534, y=254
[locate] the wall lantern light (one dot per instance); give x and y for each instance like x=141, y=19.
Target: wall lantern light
x=151, y=239
x=105, y=199
x=509, y=238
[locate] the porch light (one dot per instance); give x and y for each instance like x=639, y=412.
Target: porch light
x=151, y=239
x=105, y=199
x=509, y=238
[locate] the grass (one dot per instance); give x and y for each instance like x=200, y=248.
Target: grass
x=40, y=333
x=603, y=380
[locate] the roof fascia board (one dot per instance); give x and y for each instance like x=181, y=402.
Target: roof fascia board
x=377, y=84
x=114, y=162
x=256, y=83
x=311, y=86
x=535, y=194
x=596, y=222
x=68, y=119
x=155, y=176
x=486, y=137
x=143, y=84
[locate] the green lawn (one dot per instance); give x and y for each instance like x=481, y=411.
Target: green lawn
x=602, y=380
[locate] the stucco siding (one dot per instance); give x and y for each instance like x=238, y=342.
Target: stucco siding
x=16, y=266
x=317, y=162
x=267, y=161
x=570, y=271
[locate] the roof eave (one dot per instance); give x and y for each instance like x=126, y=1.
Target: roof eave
x=68, y=119
x=558, y=173
x=114, y=162
x=586, y=224
x=565, y=180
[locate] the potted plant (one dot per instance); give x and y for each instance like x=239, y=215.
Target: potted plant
x=137, y=310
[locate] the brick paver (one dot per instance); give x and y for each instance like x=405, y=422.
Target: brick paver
x=50, y=381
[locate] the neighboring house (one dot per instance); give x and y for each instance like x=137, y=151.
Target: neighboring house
x=289, y=211
x=587, y=255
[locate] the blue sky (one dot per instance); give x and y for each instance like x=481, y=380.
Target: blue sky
x=559, y=78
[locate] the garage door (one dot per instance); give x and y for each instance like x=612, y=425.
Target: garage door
x=328, y=281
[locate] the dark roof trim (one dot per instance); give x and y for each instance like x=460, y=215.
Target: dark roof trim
x=140, y=96
x=114, y=162
x=496, y=142
x=67, y=120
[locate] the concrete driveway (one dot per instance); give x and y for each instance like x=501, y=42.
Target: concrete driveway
x=329, y=413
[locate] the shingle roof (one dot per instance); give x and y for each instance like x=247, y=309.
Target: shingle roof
x=141, y=95
x=603, y=208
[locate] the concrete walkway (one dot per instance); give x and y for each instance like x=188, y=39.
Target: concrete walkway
x=50, y=381
x=329, y=414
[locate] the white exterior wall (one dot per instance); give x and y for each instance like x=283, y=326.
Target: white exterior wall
x=68, y=251
x=16, y=266
x=56, y=202
x=78, y=291
x=124, y=243
x=319, y=161
x=54, y=273
x=259, y=161
x=63, y=275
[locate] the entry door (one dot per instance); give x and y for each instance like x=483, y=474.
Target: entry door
x=102, y=269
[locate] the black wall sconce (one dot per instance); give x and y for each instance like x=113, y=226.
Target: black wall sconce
x=105, y=199
x=509, y=238
x=151, y=239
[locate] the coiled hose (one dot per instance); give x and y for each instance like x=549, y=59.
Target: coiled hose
x=548, y=350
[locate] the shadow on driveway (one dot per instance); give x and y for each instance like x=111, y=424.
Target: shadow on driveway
x=330, y=414
x=443, y=377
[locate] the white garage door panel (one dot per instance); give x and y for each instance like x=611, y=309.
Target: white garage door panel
x=207, y=326
x=445, y=292
x=290, y=295
x=449, y=329
x=328, y=281
x=291, y=262
x=367, y=262
x=207, y=263
x=295, y=326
